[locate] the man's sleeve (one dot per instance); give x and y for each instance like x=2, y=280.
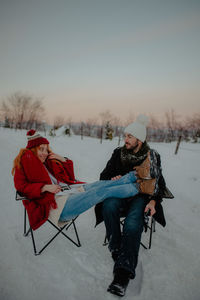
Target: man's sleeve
x=110, y=169
x=160, y=181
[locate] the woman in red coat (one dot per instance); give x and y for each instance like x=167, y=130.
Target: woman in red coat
x=31, y=170
x=40, y=175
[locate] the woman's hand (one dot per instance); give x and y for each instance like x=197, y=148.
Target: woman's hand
x=56, y=156
x=151, y=206
x=51, y=188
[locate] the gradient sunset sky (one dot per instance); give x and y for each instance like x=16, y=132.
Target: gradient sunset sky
x=86, y=57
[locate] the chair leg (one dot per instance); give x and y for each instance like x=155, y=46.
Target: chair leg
x=45, y=246
x=151, y=228
x=154, y=225
x=60, y=230
x=105, y=243
x=151, y=232
x=77, y=237
x=26, y=233
x=145, y=247
x=33, y=241
x=25, y=222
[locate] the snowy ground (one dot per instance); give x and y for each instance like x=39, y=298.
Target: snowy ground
x=170, y=270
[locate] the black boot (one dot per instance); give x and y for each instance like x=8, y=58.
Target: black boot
x=119, y=283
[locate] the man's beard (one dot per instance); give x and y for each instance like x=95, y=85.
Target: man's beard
x=132, y=147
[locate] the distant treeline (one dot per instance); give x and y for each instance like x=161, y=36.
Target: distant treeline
x=22, y=111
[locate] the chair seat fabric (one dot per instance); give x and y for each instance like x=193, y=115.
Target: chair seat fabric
x=54, y=214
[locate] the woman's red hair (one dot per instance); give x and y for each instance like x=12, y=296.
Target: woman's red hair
x=17, y=160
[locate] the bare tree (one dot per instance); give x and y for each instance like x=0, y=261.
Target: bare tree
x=193, y=126
x=58, y=122
x=117, y=124
x=36, y=111
x=154, y=123
x=173, y=124
x=106, y=120
x=194, y=121
x=89, y=126
x=69, y=122
x=22, y=110
x=106, y=117
x=130, y=119
x=155, y=130
x=118, y=128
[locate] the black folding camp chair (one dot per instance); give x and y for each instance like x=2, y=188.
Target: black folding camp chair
x=149, y=228
x=59, y=229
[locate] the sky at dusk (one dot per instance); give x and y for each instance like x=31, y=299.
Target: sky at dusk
x=86, y=57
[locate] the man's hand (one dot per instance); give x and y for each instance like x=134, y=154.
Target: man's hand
x=151, y=206
x=116, y=177
x=51, y=188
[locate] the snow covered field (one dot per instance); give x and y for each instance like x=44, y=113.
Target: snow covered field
x=170, y=270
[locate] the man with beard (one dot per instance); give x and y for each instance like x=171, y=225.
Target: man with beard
x=124, y=247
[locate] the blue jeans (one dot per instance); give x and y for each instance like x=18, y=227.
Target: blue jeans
x=125, y=245
x=97, y=192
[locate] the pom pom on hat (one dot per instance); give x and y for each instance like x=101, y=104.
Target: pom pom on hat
x=142, y=119
x=35, y=139
x=138, y=128
x=31, y=132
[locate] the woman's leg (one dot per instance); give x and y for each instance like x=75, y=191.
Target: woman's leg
x=79, y=203
x=128, y=178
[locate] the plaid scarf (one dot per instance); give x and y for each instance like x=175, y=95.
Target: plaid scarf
x=129, y=158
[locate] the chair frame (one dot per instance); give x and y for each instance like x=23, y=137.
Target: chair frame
x=151, y=227
x=59, y=229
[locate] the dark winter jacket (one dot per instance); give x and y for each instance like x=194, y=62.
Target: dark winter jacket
x=115, y=167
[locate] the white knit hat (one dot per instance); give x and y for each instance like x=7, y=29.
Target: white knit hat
x=138, y=128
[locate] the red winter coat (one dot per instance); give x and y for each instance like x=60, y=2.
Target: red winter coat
x=30, y=179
